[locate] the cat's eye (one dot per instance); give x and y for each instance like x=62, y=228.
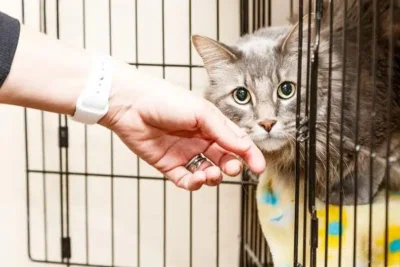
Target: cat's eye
x=286, y=90
x=241, y=95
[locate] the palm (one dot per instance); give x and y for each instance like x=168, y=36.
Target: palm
x=167, y=128
x=169, y=150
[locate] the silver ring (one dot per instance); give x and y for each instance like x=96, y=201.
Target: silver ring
x=194, y=164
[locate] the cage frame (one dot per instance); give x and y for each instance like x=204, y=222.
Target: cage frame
x=253, y=246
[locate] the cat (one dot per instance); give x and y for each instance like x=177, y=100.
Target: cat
x=254, y=83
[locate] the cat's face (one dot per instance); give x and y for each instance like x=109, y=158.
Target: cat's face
x=254, y=85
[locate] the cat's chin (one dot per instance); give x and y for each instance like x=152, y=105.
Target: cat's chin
x=271, y=144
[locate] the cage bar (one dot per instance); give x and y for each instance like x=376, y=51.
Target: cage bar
x=251, y=247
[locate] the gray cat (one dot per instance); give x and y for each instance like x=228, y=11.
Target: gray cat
x=254, y=83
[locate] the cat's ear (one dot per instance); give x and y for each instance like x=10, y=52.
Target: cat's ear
x=291, y=40
x=215, y=55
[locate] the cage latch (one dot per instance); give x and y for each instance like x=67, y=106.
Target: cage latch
x=63, y=136
x=66, y=247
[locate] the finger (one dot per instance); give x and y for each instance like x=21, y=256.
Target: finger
x=230, y=137
x=215, y=125
x=214, y=176
x=213, y=173
x=183, y=178
x=234, y=127
x=253, y=157
x=228, y=162
x=231, y=165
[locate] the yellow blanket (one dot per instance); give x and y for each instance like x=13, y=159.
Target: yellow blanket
x=276, y=198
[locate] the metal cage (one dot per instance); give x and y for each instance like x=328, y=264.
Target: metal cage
x=55, y=219
x=54, y=182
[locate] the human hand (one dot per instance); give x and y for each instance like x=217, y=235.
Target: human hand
x=167, y=126
x=163, y=124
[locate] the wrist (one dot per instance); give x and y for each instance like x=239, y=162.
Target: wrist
x=136, y=91
x=93, y=101
x=123, y=95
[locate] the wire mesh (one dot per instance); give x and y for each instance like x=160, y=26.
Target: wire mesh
x=64, y=193
x=90, y=202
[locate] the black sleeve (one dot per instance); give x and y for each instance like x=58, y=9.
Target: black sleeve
x=9, y=36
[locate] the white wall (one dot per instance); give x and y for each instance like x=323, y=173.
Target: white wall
x=13, y=225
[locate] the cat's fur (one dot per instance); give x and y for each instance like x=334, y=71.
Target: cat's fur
x=260, y=62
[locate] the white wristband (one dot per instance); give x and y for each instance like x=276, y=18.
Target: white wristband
x=92, y=103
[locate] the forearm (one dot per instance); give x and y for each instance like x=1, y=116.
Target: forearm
x=45, y=74
x=49, y=75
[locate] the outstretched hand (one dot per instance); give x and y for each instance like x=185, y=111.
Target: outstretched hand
x=167, y=126
x=163, y=124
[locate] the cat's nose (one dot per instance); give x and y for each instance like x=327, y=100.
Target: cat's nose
x=267, y=124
